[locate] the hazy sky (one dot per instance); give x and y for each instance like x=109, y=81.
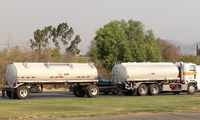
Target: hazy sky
x=177, y=20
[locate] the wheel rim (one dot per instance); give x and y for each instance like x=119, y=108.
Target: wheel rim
x=23, y=92
x=191, y=89
x=143, y=90
x=93, y=91
x=154, y=90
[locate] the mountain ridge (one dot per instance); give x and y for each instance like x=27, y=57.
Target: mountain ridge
x=185, y=48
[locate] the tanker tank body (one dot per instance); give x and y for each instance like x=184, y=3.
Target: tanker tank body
x=150, y=77
x=22, y=77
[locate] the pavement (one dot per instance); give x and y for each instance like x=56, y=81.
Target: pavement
x=57, y=95
x=69, y=95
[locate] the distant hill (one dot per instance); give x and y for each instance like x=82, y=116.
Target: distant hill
x=185, y=48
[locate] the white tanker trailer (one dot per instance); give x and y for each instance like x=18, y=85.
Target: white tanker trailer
x=151, y=78
x=21, y=77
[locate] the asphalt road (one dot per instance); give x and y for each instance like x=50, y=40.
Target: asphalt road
x=69, y=95
x=59, y=95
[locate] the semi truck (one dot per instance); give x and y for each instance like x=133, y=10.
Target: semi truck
x=151, y=78
x=21, y=78
x=143, y=78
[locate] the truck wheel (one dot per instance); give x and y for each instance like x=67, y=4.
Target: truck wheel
x=142, y=90
x=154, y=89
x=92, y=91
x=79, y=93
x=191, y=89
x=23, y=92
x=9, y=94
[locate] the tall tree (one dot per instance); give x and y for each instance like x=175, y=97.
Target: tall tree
x=126, y=42
x=40, y=40
x=63, y=35
x=170, y=52
x=72, y=49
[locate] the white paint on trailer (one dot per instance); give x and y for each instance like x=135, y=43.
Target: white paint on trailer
x=50, y=72
x=144, y=71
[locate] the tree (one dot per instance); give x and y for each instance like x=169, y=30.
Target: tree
x=126, y=42
x=197, y=50
x=40, y=40
x=190, y=58
x=170, y=53
x=61, y=36
x=72, y=49
x=64, y=35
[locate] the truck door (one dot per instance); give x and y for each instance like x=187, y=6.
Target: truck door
x=189, y=72
x=192, y=72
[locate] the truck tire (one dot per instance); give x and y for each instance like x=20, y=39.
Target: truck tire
x=23, y=92
x=191, y=89
x=92, y=91
x=154, y=89
x=78, y=91
x=142, y=90
x=9, y=94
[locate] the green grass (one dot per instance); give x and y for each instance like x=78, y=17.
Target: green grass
x=97, y=106
x=81, y=59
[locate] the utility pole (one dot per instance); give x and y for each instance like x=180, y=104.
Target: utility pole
x=197, y=51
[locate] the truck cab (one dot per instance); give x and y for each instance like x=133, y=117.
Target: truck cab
x=198, y=76
x=189, y=73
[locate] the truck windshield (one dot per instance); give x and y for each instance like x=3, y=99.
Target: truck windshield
x=192, y=68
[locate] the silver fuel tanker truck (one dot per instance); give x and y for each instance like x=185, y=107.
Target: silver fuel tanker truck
x=152, y=78
x=142, y=78
x=22, y=77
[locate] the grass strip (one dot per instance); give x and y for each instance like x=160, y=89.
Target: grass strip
x=59, y=108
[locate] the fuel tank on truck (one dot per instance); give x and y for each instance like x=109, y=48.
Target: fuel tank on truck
x=50, y=72
x=144, y=71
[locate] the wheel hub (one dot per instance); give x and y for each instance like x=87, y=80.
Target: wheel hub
x=93, y=91
x=143, y=90
x=23, y=92
x=154, y=90
x=192, y=89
